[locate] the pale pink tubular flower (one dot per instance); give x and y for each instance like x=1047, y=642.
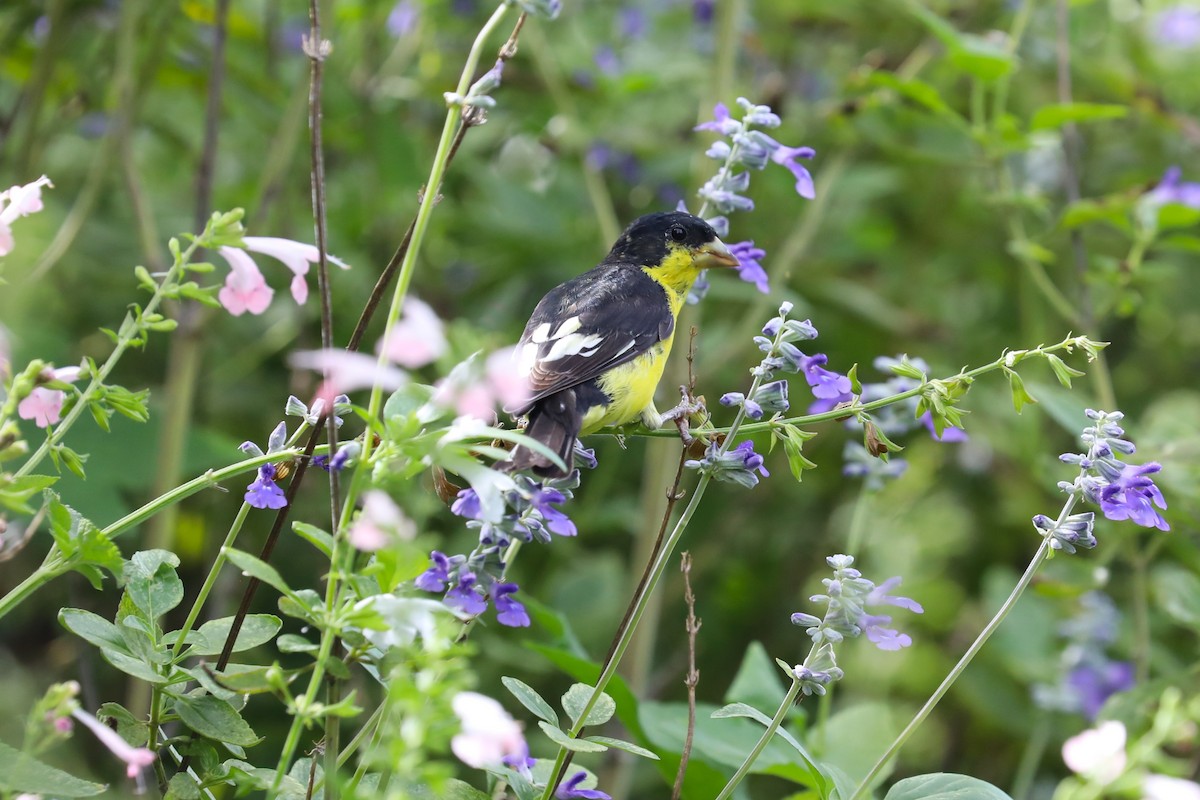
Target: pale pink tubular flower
x=419, y=338
x=44, y=405
x=1098, y=753
x=245, y=288
x=18, y=201
x=346, y=372
x=489, y=733
x=501, y=384
x=380, y=523
x=136, y=758
x=1164, y=787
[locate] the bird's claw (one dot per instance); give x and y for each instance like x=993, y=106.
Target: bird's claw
x=682, y=414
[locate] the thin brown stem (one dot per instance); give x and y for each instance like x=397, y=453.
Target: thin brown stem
x=692, y=626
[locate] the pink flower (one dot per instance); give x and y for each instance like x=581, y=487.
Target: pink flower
x=136, y=758
x=380, y=523
x=477, y=396
x=417, y=339
x=245, y=287
x=489, y=733
x=18, y=201
x=1098, y=753
x=44, y=405
x=345, y=371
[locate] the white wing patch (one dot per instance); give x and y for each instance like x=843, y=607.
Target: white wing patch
x=541, y=333
x=573, y=344
x=526, y=358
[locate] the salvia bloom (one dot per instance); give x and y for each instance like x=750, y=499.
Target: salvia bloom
x=570, y=790
x=531, y=511
x=17, y=202
x=245, y=287
x=1172, y=188
x=44, y=404
x=742, y=149
x=740, y=465
x=1121, y=490
x=263, y=492
x=847, y=598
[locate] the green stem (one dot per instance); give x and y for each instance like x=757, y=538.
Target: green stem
x=1003, y=362
x=130, y=331
x=858, y=522
x=1035, y=748
x=1042, y=553
x=211, y=579
x=56, y=564
x=776, y=721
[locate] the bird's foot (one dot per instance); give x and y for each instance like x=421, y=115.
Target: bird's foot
x=690, y=409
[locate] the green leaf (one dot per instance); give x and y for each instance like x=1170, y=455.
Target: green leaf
x=1055, y=115
x=92, y=628
x=14, y=492
x=314, y=536
x=756, y=682
x=151, y=582
x=182, y=786
x=131, y=665
x=561, y=739
x=1178, y=593
x=295, y=643
x=130, y=727
x=621, y=744
x=750, y=712
x=528, y=697
x=1021, y=398
x=576, y=699
x=944, y=786
x=1113, y=211
x=1029, y=251
x=24, y=773
x=1061, y=370
x=215, y=719
x=793, y=447
x=256, y=629
x=1177, y=215
x=257, y=568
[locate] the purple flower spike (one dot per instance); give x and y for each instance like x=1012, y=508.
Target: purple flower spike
x=1130, y=497
x=464, y=597
x=786, y=157
x=436, y=577
x=826, y=385
x=571, y=791
x=509, y=611
x=467, y=504
x=263, y=493
x=722, y=123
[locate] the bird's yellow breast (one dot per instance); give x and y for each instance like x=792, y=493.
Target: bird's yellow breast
x=631, y=387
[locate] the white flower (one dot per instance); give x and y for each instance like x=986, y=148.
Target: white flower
x=406, y=618
x=245, y=287
x=489, y=733
x=1162, y=787
x=1097, y=754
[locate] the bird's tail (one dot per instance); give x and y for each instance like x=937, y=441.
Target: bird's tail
x=555, y=422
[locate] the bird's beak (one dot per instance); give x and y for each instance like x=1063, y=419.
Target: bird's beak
x=715, y=254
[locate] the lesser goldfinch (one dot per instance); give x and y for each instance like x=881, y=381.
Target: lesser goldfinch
x=595, y=347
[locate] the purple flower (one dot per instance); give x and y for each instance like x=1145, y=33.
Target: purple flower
x=467, y=504
x=749, y=268
x=402, y=19
x=751, y=460
x=721, y=123
x=571, y=791
x=520, y=762
x=786, y=157
x=606, y=61
x=883, y=638
x=263, y=493
x=1130, y=496
x=555, y=520
x=702, y=11
x=633, y=23
x=1178, y=26
x=949, y=434
x=509, y=611
x=1093, y=684
x=464, y=597
x=1173, y=190
x=436, y=577
x=826, y=385
x=879, y=597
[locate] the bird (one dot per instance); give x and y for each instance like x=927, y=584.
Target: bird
x=595, y=346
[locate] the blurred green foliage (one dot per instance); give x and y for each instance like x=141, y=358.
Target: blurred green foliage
x=941, y=192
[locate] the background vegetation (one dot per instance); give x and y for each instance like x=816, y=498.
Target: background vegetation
x=959, y=211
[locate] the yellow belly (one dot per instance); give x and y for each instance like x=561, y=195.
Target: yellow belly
x=631, y=387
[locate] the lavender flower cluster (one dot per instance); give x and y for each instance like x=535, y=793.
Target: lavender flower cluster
x=847, y=597
x=1122, y=491
x=743, y=149
x=532, y=513
x=1087, y=676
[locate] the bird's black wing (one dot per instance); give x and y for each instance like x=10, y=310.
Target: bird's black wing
x=590, y=324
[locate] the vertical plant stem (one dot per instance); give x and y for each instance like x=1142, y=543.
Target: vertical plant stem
x=776, y=721
x=210, y=580
x=692, y=627
x=1042, y=553
x=858, y=522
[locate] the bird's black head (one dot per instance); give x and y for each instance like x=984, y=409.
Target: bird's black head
x=650, y=239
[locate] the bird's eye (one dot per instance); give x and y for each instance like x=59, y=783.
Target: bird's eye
x=678, y=233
